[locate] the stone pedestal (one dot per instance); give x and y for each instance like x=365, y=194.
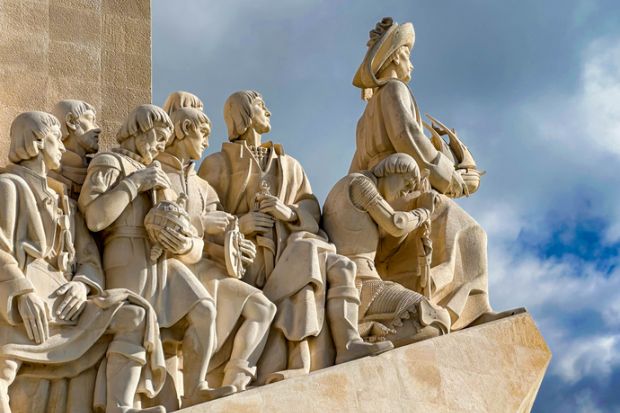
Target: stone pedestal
x=495, y=367
x=93, y=50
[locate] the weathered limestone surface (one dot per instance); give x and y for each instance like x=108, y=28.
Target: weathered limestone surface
x=495, y=367
x=98, y=51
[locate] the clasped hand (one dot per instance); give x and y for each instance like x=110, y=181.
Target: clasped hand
x=216, y=222
x=428, y=201
x=34, y=314
x=272, y=205
x=174, y=241
x=151, y=177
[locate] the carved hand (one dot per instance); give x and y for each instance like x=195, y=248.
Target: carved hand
x=151, y=177
x=217, y=222
x=174, y=241
x=471, y=178
x=248, y=251
x=428, y=200
x=74, y=302
x=457, y=186
x=254, y=222
x=272, y=205
x=32, y=310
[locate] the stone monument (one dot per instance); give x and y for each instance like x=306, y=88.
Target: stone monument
x=130, y=282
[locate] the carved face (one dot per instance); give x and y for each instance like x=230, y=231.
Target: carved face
x=197, y=140
x=402, y=64
x=52, y=149
x=149, y=144
x=399, y=190
x=260, y=116
x=87, y=131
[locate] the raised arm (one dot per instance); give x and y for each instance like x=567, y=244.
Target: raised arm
x=106, y=193
x=365, y=196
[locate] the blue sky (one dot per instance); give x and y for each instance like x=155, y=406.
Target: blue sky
x=532, y=87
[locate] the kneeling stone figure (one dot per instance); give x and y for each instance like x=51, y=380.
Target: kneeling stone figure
x=358, y=210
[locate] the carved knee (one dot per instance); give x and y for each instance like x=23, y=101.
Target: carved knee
x=203, y=311
x=340, y=271
x=260, y=308
x=128, y=318
x=8, y=371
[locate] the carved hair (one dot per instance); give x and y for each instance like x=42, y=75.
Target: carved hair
x=195, y=116
x=27, y=132
x=181, y=99
x=238, y=112
x=397, y=163
x=142, y=119
x=73, y=108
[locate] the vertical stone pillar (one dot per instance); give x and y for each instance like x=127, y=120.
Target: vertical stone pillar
x=94, y=50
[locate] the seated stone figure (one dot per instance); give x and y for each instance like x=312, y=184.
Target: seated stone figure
x=181, y=99
x=120, y=189
x=56, y=318
x=391, y=123
x=244, y=314
x=80, y=136
x=358, y=209
x=295, y=266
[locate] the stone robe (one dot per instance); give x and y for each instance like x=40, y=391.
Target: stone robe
x=297, y=283
x=44, y=243
x=390, y=124
x=230, y=294
x=167, y=284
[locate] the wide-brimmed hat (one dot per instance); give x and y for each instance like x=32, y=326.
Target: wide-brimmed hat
x=387, y=37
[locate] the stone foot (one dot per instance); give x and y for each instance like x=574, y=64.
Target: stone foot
x=492, y=316
x=155, y=409
x=284, y=374
x=205, y=394
x=359, y=349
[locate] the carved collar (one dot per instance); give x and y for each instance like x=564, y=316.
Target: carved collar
x=129, y=154
x=277, y=148
x=175, y=163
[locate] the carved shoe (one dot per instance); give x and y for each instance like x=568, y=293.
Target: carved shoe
x=358, y=349
x=238, y=373
x=203, y=393
x=156, y=409
x=492, y=316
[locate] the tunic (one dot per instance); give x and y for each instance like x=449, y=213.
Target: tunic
x=230, y=294
x=168, y=285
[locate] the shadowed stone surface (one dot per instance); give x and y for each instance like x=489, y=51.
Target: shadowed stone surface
x=495, y=367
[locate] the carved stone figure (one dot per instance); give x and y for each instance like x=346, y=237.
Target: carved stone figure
x=57, y=319
x=120, y=189
x=80, y=136
x=238, y=303
x=180, y=99
x=295, y=266
x=359, y=208
x=391, y=123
